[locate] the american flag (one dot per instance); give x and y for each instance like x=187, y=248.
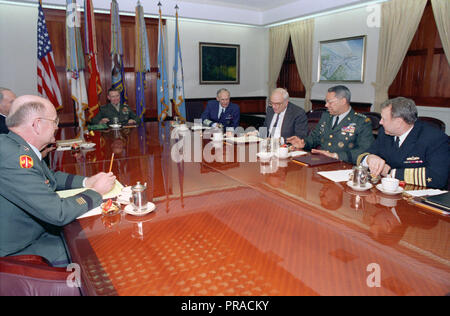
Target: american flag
x=48, y=85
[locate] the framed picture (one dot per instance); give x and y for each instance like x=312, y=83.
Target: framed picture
x=219, y=63
x=342, y=60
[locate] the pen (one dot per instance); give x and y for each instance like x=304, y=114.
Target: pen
x=112, y=159
x=300, y=163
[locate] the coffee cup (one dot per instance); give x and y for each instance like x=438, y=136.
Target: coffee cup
x=217, y=137
x=283, y=152
x=390, y=184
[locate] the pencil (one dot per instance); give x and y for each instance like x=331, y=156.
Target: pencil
x=112, y=159
x=300, y=163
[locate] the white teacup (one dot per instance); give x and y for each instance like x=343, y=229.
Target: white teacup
x=183, y=127
x=390, y=184
x=283, y=152
x=217, y=137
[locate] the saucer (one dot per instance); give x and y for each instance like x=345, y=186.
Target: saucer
x=283, y=156
x=129, y=209
x=398, y=191
x=87, y=145
x=358, y=188
x=115, y=126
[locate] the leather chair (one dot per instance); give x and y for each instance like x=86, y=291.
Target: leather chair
x=375, y=119
x=30, y=275
x=314, y=117
x=433, y=121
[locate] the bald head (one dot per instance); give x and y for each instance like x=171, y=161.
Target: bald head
x=6, y=99
x=34, y=119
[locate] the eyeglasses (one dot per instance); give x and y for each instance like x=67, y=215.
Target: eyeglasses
x=55, y=121
x=272, y=104
x=331, y=101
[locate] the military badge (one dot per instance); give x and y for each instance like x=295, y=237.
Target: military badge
x=26, y=162
x=341, y=145
x=349, y=129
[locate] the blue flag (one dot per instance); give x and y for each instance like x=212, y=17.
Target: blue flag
x=179, y=105
x=162, y=88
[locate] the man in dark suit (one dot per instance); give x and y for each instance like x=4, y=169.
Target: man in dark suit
x=32, y=213
x=341, y=132
x=408, y=149
x=6, y=99
x=114, y=109
x=221, y=111
x=283, y=118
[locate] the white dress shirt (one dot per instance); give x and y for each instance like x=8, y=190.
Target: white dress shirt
x=277, y=132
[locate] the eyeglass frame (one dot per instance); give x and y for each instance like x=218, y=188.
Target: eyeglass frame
x=55, y=121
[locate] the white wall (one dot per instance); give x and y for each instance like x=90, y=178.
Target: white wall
x=253, y=43
x=18, y=48
x=342, y=25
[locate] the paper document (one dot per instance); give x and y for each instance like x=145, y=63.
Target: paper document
x=297, y=153
x=93, y=212
x=337, y=175
x=428, y=192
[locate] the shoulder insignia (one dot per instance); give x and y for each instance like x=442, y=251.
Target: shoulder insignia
x=368, y=120
x=26, y=162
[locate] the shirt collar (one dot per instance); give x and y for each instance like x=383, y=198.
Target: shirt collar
x=404, y=135
x=36, y=151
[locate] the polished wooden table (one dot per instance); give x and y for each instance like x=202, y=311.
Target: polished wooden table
x=248, y=228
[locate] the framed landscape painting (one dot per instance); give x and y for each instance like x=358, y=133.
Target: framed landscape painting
x=219, y=63
x=342, y=60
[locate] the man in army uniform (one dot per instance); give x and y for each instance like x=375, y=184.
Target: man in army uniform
x=341, y=132
x=114, y=109
x=408, y=149
x=31, y=212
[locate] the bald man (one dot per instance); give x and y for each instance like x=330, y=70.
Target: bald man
x=32, y=214
x=6, y=99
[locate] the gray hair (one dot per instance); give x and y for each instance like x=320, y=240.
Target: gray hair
x=402, y=107
x=341, y=92
x=1, y=93
x=223, y=90
x=23, y=113
x=283, y=92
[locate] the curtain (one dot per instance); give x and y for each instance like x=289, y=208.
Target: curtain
x=441, y=10
x=278, y=43
x=399, y=22
x=302, y=34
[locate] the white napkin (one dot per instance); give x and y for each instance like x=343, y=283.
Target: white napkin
x=337, y=175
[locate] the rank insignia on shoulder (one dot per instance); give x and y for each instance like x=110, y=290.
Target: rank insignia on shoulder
x=26, y=162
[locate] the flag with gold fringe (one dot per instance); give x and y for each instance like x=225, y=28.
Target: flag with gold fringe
x=142, y=61
x=47, y=77
x=179, y=105
x=94, y=85
x=118, y=74
x=162, y=88
x=75, y=63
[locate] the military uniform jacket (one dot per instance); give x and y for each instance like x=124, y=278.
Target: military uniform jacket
x=350, y=138
x=31, y=213
x=421, y=160
x=109, y=111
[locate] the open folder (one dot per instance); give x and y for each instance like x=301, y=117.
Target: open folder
x=116, y=190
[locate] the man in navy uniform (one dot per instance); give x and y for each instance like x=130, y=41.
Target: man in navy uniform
x=221, y=111
x=31, y=212
x=6, y=99
x=408, y=149
x=341, y=132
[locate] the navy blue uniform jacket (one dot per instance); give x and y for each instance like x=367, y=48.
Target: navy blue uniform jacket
x=230, y=118
x=421, y=160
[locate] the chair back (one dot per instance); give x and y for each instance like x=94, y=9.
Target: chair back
x=32, y=276
x=375, y=119
x=437, y=123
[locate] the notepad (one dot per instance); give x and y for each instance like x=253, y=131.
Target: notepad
x=336, y=175
x=111, y=194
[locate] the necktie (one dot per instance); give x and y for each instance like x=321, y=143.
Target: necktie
x=397, y=142
x=272, y=132
x=335, y=122
x=221, y=112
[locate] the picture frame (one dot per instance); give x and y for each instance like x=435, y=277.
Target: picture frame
x=342, y=60
x=219, y=63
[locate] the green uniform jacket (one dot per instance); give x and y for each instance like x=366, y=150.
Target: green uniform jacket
x=31, y=213
x=351, y=137
x=109, y=111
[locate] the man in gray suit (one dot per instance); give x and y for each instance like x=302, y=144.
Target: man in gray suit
x=283, y=118
x=32, y=213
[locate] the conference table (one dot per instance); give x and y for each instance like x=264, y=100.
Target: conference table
x=229, y=226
